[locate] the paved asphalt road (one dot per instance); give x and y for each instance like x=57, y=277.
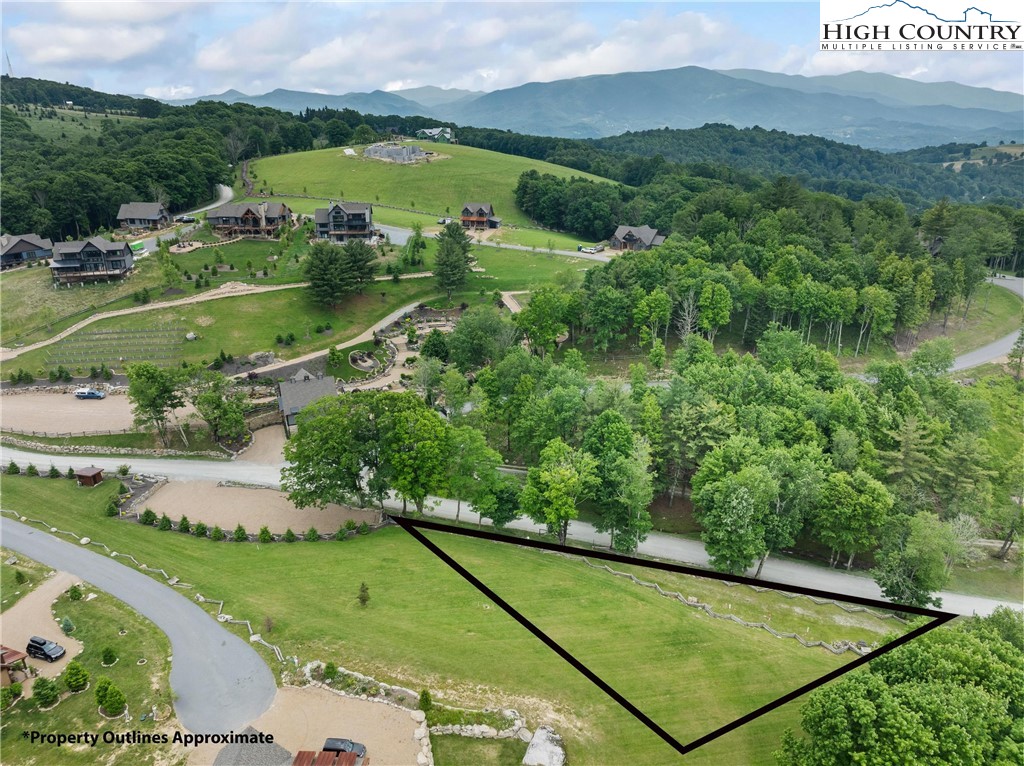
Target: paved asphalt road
x=225, y=195
x=664, y=546
x=220, y=682
x=998, y=348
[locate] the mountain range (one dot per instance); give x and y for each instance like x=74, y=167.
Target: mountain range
x=876, y=111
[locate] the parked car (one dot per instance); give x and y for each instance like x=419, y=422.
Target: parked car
x=444, y=221
x=185, y=219
x=89, y=393
x=43, y=649
x=336, y=745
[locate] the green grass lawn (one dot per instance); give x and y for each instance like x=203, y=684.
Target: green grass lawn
x=346, y=371
x=452, y=750
x=199, y=440
x=990, y=577
x=245, y=324
x=542, y=240
x=11, y=591
x=97, y=625
x=439, y=188
x=425, y=626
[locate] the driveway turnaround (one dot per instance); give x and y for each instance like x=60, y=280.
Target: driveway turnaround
x=221, y=684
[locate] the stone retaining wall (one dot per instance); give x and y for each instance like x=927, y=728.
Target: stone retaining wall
x=86, y=449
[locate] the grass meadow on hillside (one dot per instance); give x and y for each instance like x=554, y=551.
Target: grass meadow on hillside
x=426, y=627
x=439, y=187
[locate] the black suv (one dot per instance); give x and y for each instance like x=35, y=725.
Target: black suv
x=42, y=649
x=335, y=745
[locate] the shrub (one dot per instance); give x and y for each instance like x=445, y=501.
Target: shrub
x=100, y=689
x=148, y=517
x=199, y=530
x=109, y=656
x=69, y=475
x=107, y=372
x=76, y=677
x=217, y=534
x=364, y=595
x=426, y=703
x=318, y=329
x=75, y=593
x=94, y=372
x=264, y=536
x=217, y=364
x=289, y=536
x=123, y=470
x=13, y=470
x=31, y=470
x=165, y=523
x=114, y=701
x=67, y=626
x=112, y=508
x=268, y=624
x=279, y=339
x=184, y=526
x=364, y=529
x=53, y=473
x=240, y=535
x=19, y=577
x=6, y=697
x=311, y=535
x=289, y=338
x=45, y=692
x=350, y=525
x=330, y=671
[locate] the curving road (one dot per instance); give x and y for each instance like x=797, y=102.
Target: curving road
x=998, y=348
x=658, y=545
x=220, y=682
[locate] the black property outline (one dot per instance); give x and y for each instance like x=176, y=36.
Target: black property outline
x=413, y=527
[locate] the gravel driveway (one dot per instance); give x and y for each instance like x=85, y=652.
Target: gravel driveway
x=63, y=413
x=220, y=682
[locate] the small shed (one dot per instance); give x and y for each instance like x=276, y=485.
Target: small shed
x=12, y=666
x=89, y=477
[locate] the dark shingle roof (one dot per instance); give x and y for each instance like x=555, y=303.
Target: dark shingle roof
x=297, y=392
x=149, y=211
x=63, y=250
x=38, y=243
x=322, y=214
x=484, y=206
x=645, y=234
x=274, y=210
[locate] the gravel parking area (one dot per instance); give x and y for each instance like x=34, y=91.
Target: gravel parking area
x=31, y=616
x=252, y=508
x=301, y=719
x=63, y=413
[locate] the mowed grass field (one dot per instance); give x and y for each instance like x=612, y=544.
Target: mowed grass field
x=70, y=124
x=426, y=627
x=439, y=187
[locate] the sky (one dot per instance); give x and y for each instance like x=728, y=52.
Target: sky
x=191, y=48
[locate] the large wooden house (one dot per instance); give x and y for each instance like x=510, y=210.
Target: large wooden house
x=479, y=215
x=344, y=221
x=92, y=260
x=250, y=219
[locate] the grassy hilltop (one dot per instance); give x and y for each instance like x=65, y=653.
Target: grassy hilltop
x=439, y=187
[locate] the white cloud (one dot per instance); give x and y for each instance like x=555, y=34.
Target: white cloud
x=170, y=92
x=80, y=45
x=125, y=11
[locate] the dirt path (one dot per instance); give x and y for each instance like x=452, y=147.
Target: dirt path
x=267, y=446
x=58, y=414
x=227, y=507
x=31, y=616
x=301, y=719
